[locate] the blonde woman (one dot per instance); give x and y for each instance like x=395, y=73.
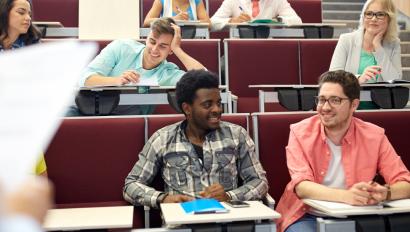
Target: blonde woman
x=373, y=51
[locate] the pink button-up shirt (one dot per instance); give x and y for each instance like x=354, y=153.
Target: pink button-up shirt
x=365, y=151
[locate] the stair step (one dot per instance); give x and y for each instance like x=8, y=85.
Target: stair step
x=404, y=36
x=406, y=73
x=405, y=60
x=342, y=6
x=337, y=14
x=405, y=47
x=347, y=1
x=353, y=24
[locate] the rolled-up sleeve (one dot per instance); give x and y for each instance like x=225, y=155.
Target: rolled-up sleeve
x=390, y=164
x=298, y=165
x=255, y=184
x=103, y=63
x=136, y=189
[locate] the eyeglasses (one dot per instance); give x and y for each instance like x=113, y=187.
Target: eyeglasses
x=379, y=14
x=333, y=101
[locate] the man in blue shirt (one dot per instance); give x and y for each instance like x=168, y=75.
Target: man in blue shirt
x=127, y=61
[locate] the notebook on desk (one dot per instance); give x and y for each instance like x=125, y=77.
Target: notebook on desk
x=202, y=206
x=341, y=209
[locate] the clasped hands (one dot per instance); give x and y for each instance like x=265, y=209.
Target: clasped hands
x=215, y=191
x=366, y=193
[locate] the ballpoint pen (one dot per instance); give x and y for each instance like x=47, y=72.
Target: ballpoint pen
x=240, y=8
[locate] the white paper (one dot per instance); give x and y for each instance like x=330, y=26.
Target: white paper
x=150, y=82
x=36, y=86
x=403, y=203
x=330, y=206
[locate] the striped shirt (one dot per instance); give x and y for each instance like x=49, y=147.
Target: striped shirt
x=228, y=154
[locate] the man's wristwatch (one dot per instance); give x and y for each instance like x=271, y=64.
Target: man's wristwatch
x=161, y=198
x=388, y=196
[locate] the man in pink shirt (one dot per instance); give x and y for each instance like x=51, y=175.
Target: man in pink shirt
x=334, y=156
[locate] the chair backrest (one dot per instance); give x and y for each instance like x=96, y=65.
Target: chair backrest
x=271, y=133
x=253, y=61
x=214, y=6
x=145, y=6
x=271, y=146
x=310, y=11
x=89, y=158
x=65, y=11
x=205, y=51
x=315, y=57
x=395, y=122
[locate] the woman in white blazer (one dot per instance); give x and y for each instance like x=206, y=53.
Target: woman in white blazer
x=373, y=51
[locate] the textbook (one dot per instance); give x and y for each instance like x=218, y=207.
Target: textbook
x=202, y=206
x=266, y=21
x=342, y=209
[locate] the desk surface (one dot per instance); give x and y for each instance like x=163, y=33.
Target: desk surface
x=355, y=210
x=175, y=215
x=89, y=218
x=316, y=86
x=47, y=24
x=301, y=25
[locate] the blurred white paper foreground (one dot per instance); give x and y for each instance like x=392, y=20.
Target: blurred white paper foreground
x=37, y=84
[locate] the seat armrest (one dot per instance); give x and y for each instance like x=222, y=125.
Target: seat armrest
x=269, y=201
x=146, y=216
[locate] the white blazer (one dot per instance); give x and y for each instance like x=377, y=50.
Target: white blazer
x=347, y=56
x=269, y=9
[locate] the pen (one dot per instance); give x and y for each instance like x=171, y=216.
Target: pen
x=240, y=8
x=179, y=9
x=375, y=178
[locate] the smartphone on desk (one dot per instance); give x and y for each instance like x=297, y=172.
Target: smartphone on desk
x=237, y=204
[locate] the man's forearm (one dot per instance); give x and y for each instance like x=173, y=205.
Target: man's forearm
x=400, y=190
x=98, y=80
x=311, y=190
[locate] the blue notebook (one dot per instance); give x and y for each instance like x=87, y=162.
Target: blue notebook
x=201, y=206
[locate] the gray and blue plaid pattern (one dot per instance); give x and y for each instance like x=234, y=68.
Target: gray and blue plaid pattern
x=228, y=152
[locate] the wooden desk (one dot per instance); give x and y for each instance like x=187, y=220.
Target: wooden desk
x=89, y=218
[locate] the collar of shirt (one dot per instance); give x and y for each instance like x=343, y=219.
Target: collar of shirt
x=17, y=44
x=349, y=136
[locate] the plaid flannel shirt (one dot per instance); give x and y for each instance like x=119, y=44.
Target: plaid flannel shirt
x=228, y=153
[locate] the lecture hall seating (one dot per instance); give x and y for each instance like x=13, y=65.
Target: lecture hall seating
x=274, y=62
x=253, y=62
x=315, y=57
x=271, y=146
x=89, y=158
x=64, y=11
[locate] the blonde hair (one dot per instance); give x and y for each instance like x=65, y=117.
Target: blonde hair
x=392, y=28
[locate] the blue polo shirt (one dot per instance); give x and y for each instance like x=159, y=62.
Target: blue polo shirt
x=123, y=55
x=127, y=54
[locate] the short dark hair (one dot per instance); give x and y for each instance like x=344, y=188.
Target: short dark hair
x=163, y=26
x=191, y=81
x=347, y=80
x=33, y=34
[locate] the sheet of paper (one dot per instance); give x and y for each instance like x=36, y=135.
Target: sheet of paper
x=403, y=203
x=36, y=86
x=338, y=206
